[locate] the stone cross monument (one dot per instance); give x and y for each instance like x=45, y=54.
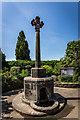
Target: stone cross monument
x=38, y=98
x=37, y=71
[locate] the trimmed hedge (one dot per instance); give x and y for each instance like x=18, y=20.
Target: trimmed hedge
x=23, y=63
x=49, y=70
x=66, y=79
x=14, y=70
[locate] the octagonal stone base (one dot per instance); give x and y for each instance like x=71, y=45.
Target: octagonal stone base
x=34, y=110
x=38, y=89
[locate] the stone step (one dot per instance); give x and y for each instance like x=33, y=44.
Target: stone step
x=45, y=109
x=34, y=110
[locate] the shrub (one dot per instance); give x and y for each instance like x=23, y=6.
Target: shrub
x=23, y=74
x=5, y=69
x=14, y=70
x=2, y=59
x=79, y=79
x=56, y=69
x=5, y=76
x=49, y=70
x=75, y=76
x=21, y=63
x=50, y=63
x=10, y=80
x=26, y=72
x=6, y=81
x=59, y=78
x=16, y=83
x=66, y=79
x=55, y=78
x=14, y=78
x=28, y=67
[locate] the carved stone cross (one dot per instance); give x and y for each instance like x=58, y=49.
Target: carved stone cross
x=36, y=22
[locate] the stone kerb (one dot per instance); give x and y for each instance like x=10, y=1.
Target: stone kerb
x=67, y=85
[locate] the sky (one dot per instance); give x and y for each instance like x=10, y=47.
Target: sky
x=60, y=26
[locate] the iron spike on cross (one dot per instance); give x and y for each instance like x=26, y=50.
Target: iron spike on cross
x=36, y=22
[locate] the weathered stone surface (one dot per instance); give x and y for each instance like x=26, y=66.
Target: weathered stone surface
x=32, y=110
x=24, y=108
x=37, y=61
x=38, y=72
x=34, y=86
x=36, y=22
x=45, y=109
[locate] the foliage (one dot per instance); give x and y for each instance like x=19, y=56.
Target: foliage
x=5, y=76
x=2, y=59
x=10, y=82
x=24, y=64
x=72, y=58
x=50, y=63
x=21, y=63
x=59, y=78
x=75, y=76
x=49, y=70
x=26, y=72
x=57, y=67
x=5, y=69
x=22, y=51
x=14, y=78
x=55, y=78
x=78, y=79
x=28, y=67
x=14, y=70
x=66, y=79
x=15, y=82
x=23, y=74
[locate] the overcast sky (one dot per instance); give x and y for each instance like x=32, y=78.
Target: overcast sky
x=60, y=26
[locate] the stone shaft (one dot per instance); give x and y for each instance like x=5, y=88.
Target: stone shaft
x=37, y=61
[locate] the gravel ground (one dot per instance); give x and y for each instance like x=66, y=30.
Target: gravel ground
x=71, y=110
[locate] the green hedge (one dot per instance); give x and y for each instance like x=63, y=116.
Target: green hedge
x=55, y=78
x=14, y=70
x=23, y=63
x=49, y=70
x=66, y=79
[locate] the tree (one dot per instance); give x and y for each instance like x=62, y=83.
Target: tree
x=72, y=57
x=57, y=67
x=22, y=51
x=2, y=59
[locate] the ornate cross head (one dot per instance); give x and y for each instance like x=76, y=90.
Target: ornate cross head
x=36, y=22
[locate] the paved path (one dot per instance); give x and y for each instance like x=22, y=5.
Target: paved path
x=71, y=110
